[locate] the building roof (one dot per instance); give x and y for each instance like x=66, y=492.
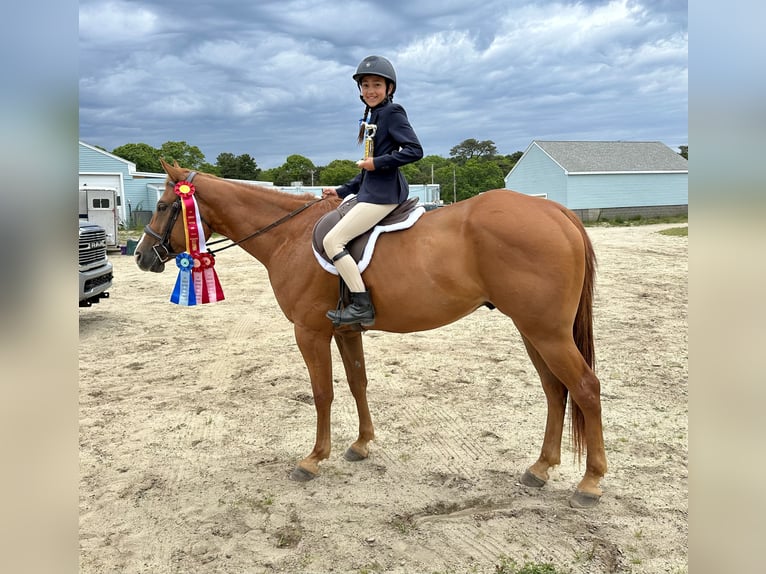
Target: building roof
x=613, y=156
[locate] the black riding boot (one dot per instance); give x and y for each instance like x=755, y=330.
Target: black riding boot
x=359, y=311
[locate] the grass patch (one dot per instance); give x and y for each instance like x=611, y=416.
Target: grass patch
x=288, y=536
x=509, y=566
x=676, y=232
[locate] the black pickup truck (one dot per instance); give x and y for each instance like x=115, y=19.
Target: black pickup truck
x=95, y=267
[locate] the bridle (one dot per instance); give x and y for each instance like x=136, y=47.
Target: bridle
x=163, y=249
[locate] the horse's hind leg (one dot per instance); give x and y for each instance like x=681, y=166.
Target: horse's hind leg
x=567, y=363
x=352, y=352
x=556, y=395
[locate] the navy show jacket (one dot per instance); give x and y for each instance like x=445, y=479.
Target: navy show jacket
x=395, y=145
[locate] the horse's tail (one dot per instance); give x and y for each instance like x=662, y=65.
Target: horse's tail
x=582, y=332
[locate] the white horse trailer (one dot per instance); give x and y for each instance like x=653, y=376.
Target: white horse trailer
x=99, y=205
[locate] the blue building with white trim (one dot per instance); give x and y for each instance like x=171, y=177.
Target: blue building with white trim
x=605, y=179
x=137, y=191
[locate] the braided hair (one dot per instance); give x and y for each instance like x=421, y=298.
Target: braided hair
x=362, y=123
x=363, y=119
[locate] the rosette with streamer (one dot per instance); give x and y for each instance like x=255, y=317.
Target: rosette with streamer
x=197, y=280
x=212, y=290
x=183, y=292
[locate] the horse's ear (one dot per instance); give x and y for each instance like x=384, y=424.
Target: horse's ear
x=175, y=171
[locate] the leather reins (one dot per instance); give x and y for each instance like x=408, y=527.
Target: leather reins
x=163, y=249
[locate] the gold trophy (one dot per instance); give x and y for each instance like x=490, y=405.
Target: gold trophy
x=369, y=144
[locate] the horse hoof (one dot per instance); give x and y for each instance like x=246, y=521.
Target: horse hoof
x=581, y=499
x=529, y=479
x=352, y=455
x=300, y=474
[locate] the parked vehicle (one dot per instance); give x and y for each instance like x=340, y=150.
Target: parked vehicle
x=95, y=267
x=99, y=205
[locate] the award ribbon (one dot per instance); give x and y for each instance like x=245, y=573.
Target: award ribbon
x=183, y=292
x=197, y=280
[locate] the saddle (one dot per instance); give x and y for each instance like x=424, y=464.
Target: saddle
x=361, y=247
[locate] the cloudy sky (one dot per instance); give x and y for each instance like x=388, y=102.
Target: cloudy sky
x=272, y=79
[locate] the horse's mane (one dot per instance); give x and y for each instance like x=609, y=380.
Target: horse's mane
x=261, y=188
x=277, y=193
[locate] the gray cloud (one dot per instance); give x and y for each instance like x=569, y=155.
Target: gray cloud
x=274, y=78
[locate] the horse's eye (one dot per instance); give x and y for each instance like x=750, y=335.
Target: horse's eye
x=162, y=207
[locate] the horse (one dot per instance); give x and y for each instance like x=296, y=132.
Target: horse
x=530, y=258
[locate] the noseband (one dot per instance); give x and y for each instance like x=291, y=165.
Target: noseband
x=163, y=249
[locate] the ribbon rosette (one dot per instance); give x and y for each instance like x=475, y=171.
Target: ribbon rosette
x=184, y=189
x=183, y=292
x=197, y=278
x=197, y=281
x=212, y=290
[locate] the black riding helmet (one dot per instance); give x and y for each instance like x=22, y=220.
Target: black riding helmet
x=376, y=66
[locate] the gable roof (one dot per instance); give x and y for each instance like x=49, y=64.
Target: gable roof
x=130, y=164
x=614, y=156
x=115, y=159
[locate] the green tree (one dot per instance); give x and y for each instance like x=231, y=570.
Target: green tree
x=446, y=177
x=226, y=163
x=271, y=174
x=411, y=173
x=239, y=167
x=206, y=167
x=476, y=176
x=296, y=168
x=424, y=170
x=338, y=172
x=188, y=156
x=146, y=157
x=507, y=162
x=684, y=151
x=248, y=168
x=471, y=148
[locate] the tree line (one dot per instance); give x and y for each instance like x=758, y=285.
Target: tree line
x=473, y=166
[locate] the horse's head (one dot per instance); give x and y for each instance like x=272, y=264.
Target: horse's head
x=164, y=236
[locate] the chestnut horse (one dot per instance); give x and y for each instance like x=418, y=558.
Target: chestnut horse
x=530, y=258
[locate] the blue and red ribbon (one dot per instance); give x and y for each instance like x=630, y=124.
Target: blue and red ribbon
x=197, y=280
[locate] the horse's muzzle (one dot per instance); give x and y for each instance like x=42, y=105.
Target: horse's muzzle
x=150, y=260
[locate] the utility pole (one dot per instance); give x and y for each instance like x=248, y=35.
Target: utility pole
x=454, y=186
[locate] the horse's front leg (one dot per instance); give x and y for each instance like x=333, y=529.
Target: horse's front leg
x=352, y=352
x=315, y=348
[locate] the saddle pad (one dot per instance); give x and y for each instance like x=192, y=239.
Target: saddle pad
x=362, y=247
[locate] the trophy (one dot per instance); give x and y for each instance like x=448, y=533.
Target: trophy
x=369, y=144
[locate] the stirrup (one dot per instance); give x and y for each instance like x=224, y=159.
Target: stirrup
x=359, y=311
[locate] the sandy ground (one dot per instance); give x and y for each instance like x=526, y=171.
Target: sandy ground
x=192, y=418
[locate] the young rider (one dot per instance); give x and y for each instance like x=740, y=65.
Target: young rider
x=380, y=187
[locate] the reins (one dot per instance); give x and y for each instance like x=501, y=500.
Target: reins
x=260, y=231
x=164, y=239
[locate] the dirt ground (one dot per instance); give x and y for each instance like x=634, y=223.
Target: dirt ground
x=192, y=418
